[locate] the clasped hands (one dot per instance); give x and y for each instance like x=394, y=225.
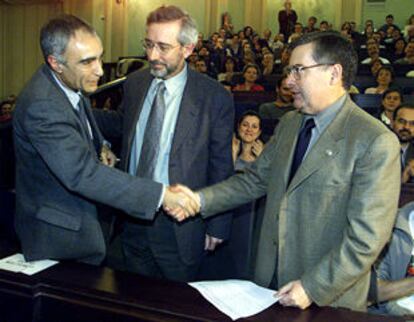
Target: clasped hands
x=180, y=202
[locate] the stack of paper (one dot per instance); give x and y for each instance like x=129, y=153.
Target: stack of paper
x=236, y=298
x=17, y=264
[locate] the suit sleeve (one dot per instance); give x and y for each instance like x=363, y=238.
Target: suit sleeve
x=372, y=208
x=220, y=165
x=52, y=131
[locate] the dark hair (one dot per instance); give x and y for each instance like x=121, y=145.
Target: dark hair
x=389, y=16
x=243, y=116
x=280, y=80
x=188, y=32
x=247, y=66
x=55, y=35
x=332, y=48
x=392, y=90
x=388, y=68
x=394, y=115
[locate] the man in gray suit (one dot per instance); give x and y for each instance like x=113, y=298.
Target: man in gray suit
x=192, y=145
x=59, y=176
x=325, y=223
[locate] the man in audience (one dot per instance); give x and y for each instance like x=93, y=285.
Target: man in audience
x=59, y=177
x=409, y=55
x=395, y=267
x=373, y=53
x=389, y=22
x=190, y=144
x=311, y=25
x=331, y=173
x=284, y=100
x=403, y=126
x=287, y=19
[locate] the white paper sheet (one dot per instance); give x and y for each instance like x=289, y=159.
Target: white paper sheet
x=407, y=303
x=17, y=264
x=236, y=298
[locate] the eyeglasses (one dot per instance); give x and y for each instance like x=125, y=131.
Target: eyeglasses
x=297, y=70
x=162, y=48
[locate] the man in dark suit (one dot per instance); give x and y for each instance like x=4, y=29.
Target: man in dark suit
x=331, y=174
x=193, y=146
x=58, y=145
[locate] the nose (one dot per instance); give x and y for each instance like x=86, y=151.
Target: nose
x=290, y=80
x=98, y=68
x=153, y=54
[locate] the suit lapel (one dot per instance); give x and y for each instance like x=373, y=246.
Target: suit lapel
x=325, y=149
x=189, y=109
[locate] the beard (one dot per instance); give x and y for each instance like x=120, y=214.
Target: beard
x=404, y=136
x=163, y=72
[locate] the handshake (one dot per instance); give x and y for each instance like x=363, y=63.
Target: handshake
x=181, y=202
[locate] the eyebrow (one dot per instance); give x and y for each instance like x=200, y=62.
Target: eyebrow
x=159, y=42
x=89, y=59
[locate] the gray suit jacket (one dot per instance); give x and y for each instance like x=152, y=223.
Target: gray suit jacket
x=59, y=178
x=328, y=226
x=201, y=149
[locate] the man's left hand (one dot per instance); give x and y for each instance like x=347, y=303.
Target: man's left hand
x=211, y=242
x=293, y=294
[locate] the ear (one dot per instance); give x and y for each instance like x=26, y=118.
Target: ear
x=336, y=76
x=54, y=64
x=188, y=49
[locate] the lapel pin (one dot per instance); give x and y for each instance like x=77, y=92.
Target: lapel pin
x=329, y=153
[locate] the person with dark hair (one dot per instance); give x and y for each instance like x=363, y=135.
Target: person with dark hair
x=384, y=79
x=331, y=173
x=311, y=26
x=176, y=126
x=251, y=73
x=283, y=104
x=226, y=75
x=247, y=144
x=398, y=49
x=389, y=22
x=373, y=50
x=391, y=99
x=408, y=59
x=63, y=165
x=403, y=126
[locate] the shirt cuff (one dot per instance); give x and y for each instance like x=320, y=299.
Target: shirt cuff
x=161, y=196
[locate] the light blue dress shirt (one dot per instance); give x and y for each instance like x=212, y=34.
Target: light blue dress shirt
x=172, y=96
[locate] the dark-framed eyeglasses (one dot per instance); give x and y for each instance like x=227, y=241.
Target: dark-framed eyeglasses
x=297, y=70
x=162, y=48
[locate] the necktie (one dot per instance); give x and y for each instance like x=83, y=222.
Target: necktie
x=151, y=143
x=301, y=146
x=86, y=124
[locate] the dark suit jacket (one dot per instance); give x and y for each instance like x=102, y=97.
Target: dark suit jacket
x=329, y=224
x=201, y=148
x=59, y=176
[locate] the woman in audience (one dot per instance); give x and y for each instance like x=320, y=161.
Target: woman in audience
x=399, y=47
x=226, y=75
x=385, y=76
x=251, y=73
x=391, y=99
x=247, y=145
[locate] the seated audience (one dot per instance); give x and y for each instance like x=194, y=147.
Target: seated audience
x=251, y=73
x=398, y=50
x=284, y=100
x=384, y=78
x=391, y=99
x=409, y=25
x=389, y=22
x=268, y=64
x=409, y=55
x=247, y=145
x=311, y=25
x=324, y=26
x=403, y=127
x=395, y=267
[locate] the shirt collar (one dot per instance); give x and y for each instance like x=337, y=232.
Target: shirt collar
x=324, y=118
x=71, y=94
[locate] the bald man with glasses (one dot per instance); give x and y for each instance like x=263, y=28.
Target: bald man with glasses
x=331, y=174
x=176, y=125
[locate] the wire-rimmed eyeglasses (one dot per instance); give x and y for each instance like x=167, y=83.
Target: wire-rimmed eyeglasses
x=297, y=70
x=162, y=48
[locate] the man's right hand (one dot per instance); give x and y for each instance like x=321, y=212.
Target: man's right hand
x=180, y=202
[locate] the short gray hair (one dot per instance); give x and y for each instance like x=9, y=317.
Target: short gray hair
x=55, y=35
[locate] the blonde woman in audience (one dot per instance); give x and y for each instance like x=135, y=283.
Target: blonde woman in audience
x=385, y=76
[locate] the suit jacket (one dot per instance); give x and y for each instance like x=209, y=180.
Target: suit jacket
x=58, y=176
x=201, y=149
x=329, y=224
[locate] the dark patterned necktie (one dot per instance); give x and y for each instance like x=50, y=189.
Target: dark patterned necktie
x=83, y=116
x=301, y=146
x=151, y=142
